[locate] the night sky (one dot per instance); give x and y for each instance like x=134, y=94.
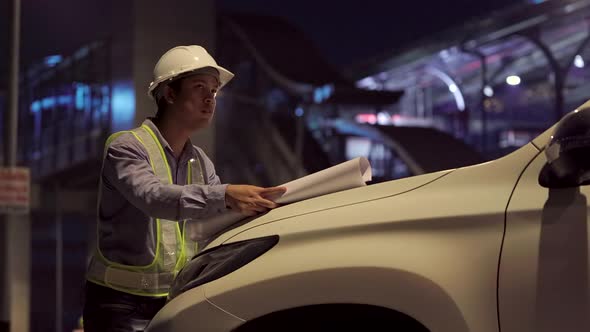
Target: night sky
x=346, y=32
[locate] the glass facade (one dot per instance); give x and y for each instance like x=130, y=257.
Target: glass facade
x=65, y=111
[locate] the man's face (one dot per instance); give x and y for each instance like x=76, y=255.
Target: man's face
x=195, y=102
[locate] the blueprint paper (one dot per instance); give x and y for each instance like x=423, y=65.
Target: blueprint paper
x=347, y=175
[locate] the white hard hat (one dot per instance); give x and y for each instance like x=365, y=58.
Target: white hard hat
x=184, y=59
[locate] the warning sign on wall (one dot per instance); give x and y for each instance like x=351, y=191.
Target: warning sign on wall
x=15, y=190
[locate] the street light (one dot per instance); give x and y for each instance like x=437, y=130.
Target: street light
x=513, y=80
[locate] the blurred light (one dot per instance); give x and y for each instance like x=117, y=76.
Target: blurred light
x=513, y=80
x=35, y=106
x=445, y=54
x=366, y=118
x=536, y=2
x=322, y=93
x=82, y=91
x=48, y=102
x=317, y=96
x=402, y=120
x=106, y=99
x=579, y=61
x=52, y=60
x=123, y=105
x=328, y=89
x=299, y=111
x=383, y=118
x=453, y=88
x=368, y=83
x=64, y=100
x=357, y=147
x=488, y=91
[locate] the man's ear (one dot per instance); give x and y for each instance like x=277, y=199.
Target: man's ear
x=169, y=95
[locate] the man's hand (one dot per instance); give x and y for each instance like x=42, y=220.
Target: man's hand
x=250, y=200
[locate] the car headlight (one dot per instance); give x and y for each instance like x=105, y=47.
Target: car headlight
x=219, y=261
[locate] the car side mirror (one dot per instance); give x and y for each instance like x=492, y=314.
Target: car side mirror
x=568, y=152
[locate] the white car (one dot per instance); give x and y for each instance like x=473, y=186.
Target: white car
x=499, y=246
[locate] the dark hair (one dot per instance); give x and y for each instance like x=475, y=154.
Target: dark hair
x=175, y=85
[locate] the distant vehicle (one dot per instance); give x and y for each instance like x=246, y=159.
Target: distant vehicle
x=497, y=246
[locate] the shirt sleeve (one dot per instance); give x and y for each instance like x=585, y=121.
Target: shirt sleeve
x=127, y=169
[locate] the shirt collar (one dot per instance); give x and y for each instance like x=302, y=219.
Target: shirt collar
x=187, y=150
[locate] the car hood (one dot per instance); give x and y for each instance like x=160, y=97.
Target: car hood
x=329, y=201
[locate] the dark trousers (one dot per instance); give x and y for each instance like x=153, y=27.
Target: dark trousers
x=106, y=309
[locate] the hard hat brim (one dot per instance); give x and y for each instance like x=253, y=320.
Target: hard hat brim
x=224, y=77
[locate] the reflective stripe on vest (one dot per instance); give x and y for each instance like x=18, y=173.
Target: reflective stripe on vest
x=195, y=175
x=173, y=249
x=169, y=234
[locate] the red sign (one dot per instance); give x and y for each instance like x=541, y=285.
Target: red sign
x=15, y=190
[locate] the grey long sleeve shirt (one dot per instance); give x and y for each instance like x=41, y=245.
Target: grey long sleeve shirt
x=131, y=195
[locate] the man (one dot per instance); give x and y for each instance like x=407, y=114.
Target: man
x=153, y=181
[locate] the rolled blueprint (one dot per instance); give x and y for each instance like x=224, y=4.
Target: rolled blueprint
x=347, y=175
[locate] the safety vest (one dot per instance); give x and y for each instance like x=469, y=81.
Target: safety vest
x=173, y=247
